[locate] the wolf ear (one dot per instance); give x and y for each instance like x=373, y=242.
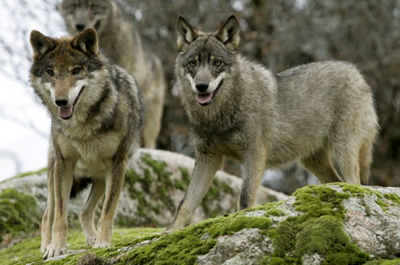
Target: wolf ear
x=40, y=43
x=186, y=34
x=228, y=34
x=87, y=41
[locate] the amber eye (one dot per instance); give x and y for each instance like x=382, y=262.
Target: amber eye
x=76, y=70
x=50, y=72
x=217, y=63
x=192, y=63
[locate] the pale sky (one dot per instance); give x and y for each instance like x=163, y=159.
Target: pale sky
x=17, y=101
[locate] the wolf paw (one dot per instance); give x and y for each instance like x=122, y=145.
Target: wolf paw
x=102, y=245
x=43, y=248
x=166, y=232
x=90, y=240
x=54, y=252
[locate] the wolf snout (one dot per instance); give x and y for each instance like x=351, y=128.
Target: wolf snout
x=202, y=87
x=61, y=102
x=80, y=27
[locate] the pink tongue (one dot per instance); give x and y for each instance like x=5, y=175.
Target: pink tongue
x=65, y=112
x=203, y=98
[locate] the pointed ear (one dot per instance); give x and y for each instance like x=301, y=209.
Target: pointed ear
x=186, y=34
x=40, y=43
x=87, y=41
x=228, y=34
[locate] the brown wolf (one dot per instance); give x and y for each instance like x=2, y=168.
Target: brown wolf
x=120, y=40
x=97, y=118
x=311, y=114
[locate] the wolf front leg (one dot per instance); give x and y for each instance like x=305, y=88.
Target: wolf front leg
x=114, y=183
x=88, y=211
x=254, y=166
x=203, y=173
x=48, y=216
x=63, y=178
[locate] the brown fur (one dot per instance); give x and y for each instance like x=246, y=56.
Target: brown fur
x=97, y=117
x=310, y=114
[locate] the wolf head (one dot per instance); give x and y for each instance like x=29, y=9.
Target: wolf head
x=63, y=69
x=205, y=59
x=81, y=14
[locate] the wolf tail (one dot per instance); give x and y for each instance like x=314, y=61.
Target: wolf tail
x=79, y=185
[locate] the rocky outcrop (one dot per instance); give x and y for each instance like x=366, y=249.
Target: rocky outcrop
x=329, y=224
x=154, y=185
x=335, y=224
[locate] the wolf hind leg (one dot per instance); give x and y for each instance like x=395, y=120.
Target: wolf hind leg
x=365, y=160
x=86, y=216
x=320, y=164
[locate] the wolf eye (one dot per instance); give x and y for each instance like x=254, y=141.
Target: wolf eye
x=217, y=63
x=50, y=72
x=76, y=70
x=192, y=63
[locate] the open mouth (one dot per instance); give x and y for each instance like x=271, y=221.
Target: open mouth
x=67, y=112
x=206, y=99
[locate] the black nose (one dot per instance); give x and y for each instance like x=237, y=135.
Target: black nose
x=202, y=87
x=80, y=27
x=61, y=102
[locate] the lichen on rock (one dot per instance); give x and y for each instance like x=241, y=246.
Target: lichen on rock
x=19, y=216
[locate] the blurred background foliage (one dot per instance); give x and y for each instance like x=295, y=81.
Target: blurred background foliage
x=283, y=34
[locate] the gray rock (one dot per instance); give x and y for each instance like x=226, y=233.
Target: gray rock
x=323, y=224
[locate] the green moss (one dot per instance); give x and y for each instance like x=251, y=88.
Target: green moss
x=382, y=204
x=393, y=197
x=28, y=250
x=318, y=230
x=384, y=262
x=273, y=261
x=18, y=214
x=267, y=207
x=359, y=190
x=184, y=245
x=274, y=212
x=154, y=182
x=272, y=198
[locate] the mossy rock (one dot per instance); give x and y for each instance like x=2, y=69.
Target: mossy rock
x=19, y=215
x=318, y=225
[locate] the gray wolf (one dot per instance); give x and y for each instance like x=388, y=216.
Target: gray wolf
x=310, y=114
x=120, y=40
x=96, y=120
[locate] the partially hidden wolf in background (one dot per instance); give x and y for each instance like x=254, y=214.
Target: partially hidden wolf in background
x=311, y=114
x=96, y=121
x=119, y=39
